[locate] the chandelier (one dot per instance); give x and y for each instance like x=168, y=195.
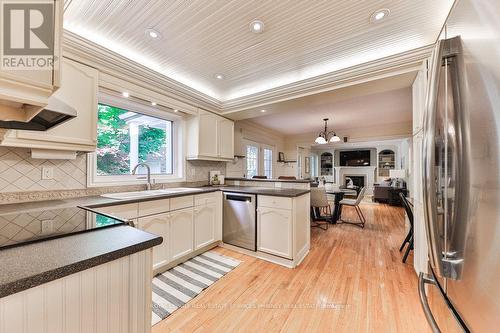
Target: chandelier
x=323, y=136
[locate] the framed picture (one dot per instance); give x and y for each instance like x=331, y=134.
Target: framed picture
x=281, y=156
x=307, y=165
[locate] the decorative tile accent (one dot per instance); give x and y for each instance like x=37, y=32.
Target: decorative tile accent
x=197, y=171
x=19, y=172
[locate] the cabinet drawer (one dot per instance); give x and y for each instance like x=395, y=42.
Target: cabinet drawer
x=154, y=207
x=181, y=202
x=127, y=211
x=205, y=199
x=274, y=202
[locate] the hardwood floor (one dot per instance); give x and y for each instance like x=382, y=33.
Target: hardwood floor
x=353, y=280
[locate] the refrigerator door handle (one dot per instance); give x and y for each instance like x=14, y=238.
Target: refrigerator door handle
x=422, y=280
x=429, y=156
x=453, y=254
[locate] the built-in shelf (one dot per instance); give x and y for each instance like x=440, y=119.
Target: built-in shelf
x=386, y=162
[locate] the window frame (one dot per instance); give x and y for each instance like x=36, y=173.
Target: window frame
x=178, y=146
x=260, y=158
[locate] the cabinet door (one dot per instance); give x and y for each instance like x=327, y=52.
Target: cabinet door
x=208, y=135
x=158, y=225
x=226, y=138
x=205, y=217
x=79, y=87
x=274, y=231
x=181, y=233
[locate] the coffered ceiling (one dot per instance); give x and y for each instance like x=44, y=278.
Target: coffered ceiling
x=301, y=39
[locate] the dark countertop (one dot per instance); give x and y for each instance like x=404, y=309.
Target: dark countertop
x=34, y=264
x=277, y=192
x=302, y=181
x=92, y=201
x=27, y=266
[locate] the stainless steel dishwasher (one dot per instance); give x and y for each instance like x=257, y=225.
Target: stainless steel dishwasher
x=239, y=227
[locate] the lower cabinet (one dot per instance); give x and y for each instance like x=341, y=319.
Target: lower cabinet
x=158, y=225
x=274, y=228
x=205, y=218
x=181, y=233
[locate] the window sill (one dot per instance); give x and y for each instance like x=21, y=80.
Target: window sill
x=122, y=182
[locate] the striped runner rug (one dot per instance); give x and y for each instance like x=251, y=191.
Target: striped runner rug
x=177, y=286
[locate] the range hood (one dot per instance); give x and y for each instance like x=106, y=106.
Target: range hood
x=55, y=113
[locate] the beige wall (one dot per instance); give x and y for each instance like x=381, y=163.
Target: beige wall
x=247, y=130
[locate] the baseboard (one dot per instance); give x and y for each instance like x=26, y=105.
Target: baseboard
x=185, y=258
x=302, y=254
x=269, y=257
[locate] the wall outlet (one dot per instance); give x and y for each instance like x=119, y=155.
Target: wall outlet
x=47, y=226
x=47, y=173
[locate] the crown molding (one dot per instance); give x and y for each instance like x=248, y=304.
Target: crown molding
x=410, y=61
x=106, y=61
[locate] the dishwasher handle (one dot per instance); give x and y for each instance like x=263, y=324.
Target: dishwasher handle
x=235, y=197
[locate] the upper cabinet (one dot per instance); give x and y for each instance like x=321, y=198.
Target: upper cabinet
x=210, y=137
x=31, y=67
x=79, y=88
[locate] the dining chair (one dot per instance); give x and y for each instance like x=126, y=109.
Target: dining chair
x=321, y=212
x=355, y=203
x=409, y=237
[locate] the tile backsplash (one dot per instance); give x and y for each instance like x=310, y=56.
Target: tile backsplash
x=21, y=173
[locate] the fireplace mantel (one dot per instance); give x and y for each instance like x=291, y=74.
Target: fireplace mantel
x=368, y=172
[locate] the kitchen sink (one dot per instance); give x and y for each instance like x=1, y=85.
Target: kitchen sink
x=145, y=194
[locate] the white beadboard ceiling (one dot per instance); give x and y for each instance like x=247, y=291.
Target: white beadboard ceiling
x=302, y=39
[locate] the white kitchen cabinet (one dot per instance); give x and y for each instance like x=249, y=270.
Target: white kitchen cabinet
x=79, y=89
x=181, y=233
x=225, y=128
x=23, y=93
x=205, y=225
x=210, y=137
x=125, y=211
x=274, y=231
x=158, y=224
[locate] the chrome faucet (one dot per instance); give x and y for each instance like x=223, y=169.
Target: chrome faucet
x=148, y=185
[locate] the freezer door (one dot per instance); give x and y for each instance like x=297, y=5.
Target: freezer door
x=476, y=294
x=437, y=309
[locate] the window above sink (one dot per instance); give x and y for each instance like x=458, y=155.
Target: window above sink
x=130, y=132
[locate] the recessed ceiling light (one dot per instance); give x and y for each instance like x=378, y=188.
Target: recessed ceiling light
x=219, y=76
x=175, y=110
x=153, y=103
x=126, y=94
x=262, y=110
x=257, y=26
x=153, y=34
x=379, y=15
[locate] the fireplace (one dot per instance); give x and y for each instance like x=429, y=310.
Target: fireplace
x=357, y=180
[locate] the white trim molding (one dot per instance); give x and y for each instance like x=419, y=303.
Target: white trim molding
x=112, y=66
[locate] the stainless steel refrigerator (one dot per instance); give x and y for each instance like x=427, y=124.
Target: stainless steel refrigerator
x=461, y=168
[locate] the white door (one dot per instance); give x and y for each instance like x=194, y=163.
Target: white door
x=181, y=233
x=226, y=138
x=208, y=135
x=274, y=231
x=205, y=225
x=158, y=225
